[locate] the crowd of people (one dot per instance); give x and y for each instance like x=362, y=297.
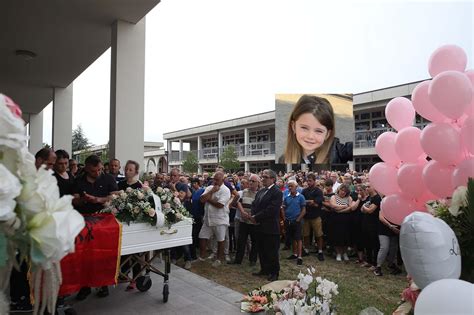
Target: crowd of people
x=251, y=214
x=242, y=215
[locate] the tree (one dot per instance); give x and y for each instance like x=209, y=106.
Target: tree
x=46, y=145
x=228, y=159
x=190, y=164
x=79, y=139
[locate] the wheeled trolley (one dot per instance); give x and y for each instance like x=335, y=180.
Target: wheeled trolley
x=141, y=243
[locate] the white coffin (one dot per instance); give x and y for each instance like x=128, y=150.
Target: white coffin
x=142, y=237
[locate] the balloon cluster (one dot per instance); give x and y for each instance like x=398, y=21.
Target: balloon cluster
x=406, y=177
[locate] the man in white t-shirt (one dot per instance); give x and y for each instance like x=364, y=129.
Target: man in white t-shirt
x=336, y=184
x=216, y=216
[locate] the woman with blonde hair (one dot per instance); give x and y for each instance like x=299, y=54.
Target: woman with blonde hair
x=311, y=134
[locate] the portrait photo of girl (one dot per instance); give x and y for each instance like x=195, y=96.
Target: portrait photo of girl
x=311, y=133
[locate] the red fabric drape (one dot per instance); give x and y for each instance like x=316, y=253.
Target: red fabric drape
x=95, y=261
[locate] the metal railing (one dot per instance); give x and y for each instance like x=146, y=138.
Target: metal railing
x=366, y=138
x=256, y=149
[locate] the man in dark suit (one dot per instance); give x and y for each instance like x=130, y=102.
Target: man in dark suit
x=266, y=212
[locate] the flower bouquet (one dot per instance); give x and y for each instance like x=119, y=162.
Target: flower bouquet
x=36, y=225
x=133, y=205
x=307, y=295
x=173, y=210
x=258, y=301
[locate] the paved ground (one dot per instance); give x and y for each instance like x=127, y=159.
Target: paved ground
x=189, y=294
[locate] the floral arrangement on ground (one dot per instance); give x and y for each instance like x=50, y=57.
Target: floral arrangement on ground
x=307, y=295
x=172, y=207
x=133, y=205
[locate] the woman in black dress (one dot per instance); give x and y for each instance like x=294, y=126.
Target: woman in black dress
x=131, y=176
x=341, y=202
x=131, y=180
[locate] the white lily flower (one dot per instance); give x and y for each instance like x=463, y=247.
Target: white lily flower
x=458, y=201
x=10, y=188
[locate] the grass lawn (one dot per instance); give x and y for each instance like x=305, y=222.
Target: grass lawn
x=359, y=288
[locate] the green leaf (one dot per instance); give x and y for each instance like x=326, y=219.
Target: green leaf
x=3, y=250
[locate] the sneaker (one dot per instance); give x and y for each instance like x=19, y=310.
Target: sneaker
x=378, y=271
x=83, y=293
x=346, y=258
x=216, y=263
x=227, y=258
x=320, y=256
x=211, y=256
x=365, y=264
x=132, y=286
x=187, y=265
x=305, y=253
x=299, y=261
x=103, y=292
x=201, y=259
x=338, y=257
x=292, y=257
x=372, y=268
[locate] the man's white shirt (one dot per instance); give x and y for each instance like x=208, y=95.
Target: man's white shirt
x=217, y=216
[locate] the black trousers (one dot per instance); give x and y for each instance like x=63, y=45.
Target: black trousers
x=246, y=230
x=19, y=286
x=268, y=252
x=196, y=229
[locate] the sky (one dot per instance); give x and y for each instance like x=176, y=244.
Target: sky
x=213, y=60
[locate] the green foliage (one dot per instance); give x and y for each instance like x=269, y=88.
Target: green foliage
x=190, y=164
x=79, y=139
x=46, y=145
x=463, y=227
x=229, y=160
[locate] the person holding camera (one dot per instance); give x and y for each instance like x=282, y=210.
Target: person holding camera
x=294, y=207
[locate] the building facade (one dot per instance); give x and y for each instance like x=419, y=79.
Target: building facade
x=154, y=156
x=370, y=121
x=253, y=138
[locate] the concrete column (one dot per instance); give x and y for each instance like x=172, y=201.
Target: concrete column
x=199, y=148
x=246, y=140
x=62, y=118
x=127, y=91
x=36, y=133
x=199, y=169
x=247, y=166
x=219, y=147
x=180, y=149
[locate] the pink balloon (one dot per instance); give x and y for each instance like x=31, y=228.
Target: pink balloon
x=467, y=134
x=463, y=171
x=410, y=180
x=450, y=93
x=470, y=109
x=447, y=57
x=408, y=145
x=442, y=142
x=385, y=148
x=437, y=178
x=422, y=104
x=383, y=178
x=396, y=207
x=400, y=113
x=420, y=201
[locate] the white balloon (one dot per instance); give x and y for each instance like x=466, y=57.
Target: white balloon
x=447, y=296
x=430, y=249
